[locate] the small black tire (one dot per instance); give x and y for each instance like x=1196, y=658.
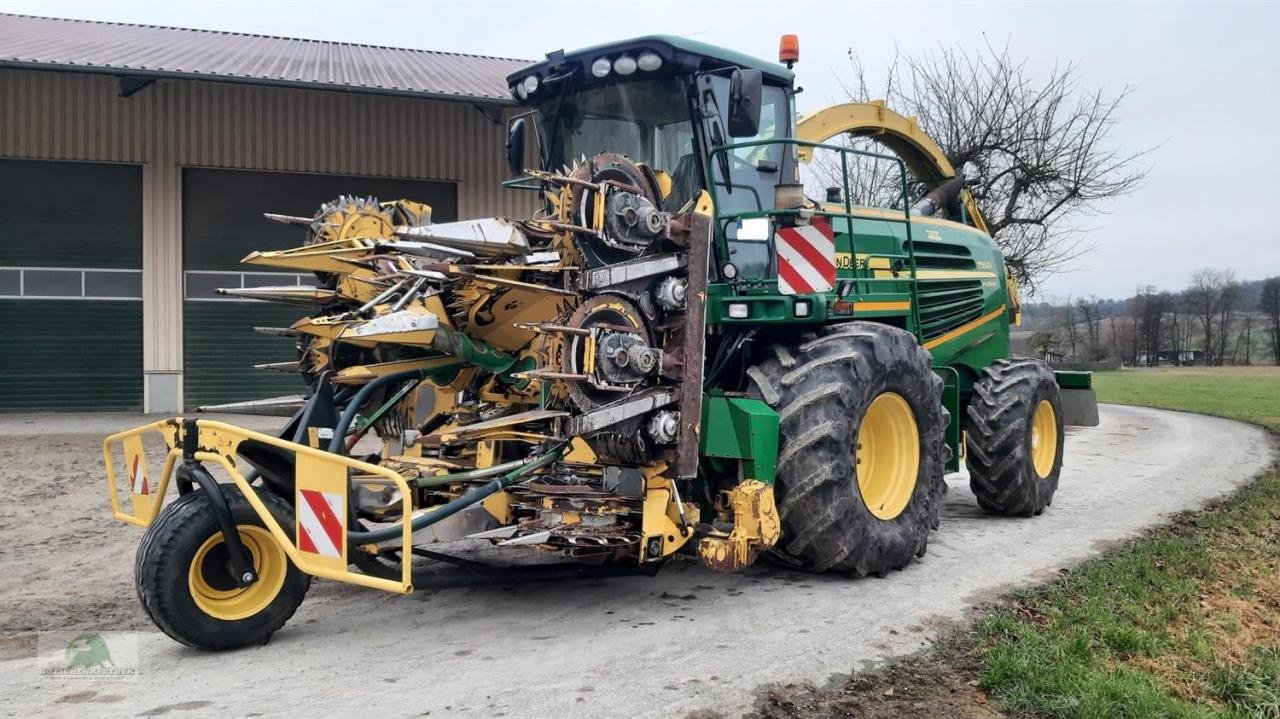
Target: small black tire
x=201, y=607
x=1012, y=471
x=822, y=389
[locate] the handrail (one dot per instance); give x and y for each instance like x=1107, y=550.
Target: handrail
x=722, y=219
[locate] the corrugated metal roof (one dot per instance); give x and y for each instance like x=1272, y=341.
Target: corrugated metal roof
x=147, y=50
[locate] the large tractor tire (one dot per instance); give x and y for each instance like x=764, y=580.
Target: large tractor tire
x=186, y=588
x=1014, y=438
x=861, y=447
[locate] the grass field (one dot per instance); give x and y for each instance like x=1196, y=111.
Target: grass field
x=1184, y=622
x=1251, y=394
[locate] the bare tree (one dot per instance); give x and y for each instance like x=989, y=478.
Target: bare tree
x=1226, y=313
x=1178, y=330
x=1210, y=300
x=1269, y=305
x=1122, y=334
x=1148, y=308
x=1042, y=344
x=1091, y=313
x=1136, y=308
x=1042, y=146
x=1243, y=352
x=1064, y=318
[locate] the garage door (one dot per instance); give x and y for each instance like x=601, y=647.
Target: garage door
x=221, y=223
x=70, y=286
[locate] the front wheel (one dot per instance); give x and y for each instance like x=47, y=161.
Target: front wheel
x=1014, y=437
x=861, y=447
x=185, y=584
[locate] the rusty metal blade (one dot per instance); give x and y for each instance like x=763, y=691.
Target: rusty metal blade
x=289, y=219
x=278, y=366
x=288, y=294
x=274, y=407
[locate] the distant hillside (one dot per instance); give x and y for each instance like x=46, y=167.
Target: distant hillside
x=1039, y=315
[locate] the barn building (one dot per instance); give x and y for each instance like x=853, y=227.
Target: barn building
x=136, y=163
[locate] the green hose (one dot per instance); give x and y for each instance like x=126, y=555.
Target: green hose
x=470, y=474
x=472, y=352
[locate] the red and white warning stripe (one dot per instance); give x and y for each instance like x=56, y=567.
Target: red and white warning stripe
x=138, y=476
x=806, y=258
x=320, y=528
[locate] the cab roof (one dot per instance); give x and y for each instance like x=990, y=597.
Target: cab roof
x=679, y=55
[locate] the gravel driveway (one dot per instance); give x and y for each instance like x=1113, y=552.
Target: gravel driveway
x=685, y=640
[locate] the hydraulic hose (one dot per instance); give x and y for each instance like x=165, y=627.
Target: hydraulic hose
x=468, y=352
x=338, y=441
x=472, y=352
x=475, y=496
x=471, y=474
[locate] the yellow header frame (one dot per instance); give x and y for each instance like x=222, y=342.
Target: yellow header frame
x=218, y=442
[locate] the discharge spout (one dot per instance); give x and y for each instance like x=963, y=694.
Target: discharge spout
x=940, y=197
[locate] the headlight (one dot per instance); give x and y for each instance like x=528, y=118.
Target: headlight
x=601, y=67
x=530, y=85
x=624, y=65
x=802, y=308
x=649, y=61
x=739, y=310
x=520, y=91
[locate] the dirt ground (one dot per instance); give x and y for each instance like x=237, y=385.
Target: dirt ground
x=68, y=565
x=687, y=640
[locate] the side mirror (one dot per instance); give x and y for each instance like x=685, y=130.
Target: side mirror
x=515, y=145
x=744, y=103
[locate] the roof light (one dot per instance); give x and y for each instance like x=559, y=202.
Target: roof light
x=624, y=65
x=649, y=61
x=601, y=67
x=530, y=85
x=789, y=50
x=520, y=91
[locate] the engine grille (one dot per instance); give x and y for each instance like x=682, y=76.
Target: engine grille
x=947, y=304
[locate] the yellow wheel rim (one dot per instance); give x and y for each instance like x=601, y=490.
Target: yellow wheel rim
x=1044, y=438
x=888, y=455
x=214, y=589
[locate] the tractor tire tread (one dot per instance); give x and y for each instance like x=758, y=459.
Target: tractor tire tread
x=820, y=395
x=998, y=454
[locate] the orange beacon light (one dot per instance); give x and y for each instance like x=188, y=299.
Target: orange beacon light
x=789, y=50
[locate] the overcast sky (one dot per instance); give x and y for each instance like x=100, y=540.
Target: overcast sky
x=1207, y=78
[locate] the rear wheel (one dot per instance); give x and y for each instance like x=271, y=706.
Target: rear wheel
x=861, y=447
x=187, y=588
x=1014, y=437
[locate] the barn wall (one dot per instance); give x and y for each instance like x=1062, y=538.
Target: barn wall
x=172, y=124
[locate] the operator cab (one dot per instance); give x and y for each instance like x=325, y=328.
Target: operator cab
x=664, y=102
